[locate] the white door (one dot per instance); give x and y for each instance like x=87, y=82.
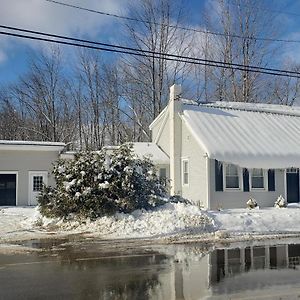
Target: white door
x=36, y=181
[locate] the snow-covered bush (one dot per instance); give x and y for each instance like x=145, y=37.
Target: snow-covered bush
x=251, y=203
x=280, y=202
x=179, y=199
x=94, y=184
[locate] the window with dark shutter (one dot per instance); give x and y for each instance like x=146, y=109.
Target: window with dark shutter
x=257, y=179
x=218, y=176
x=232, y=177
x=246, y=180
x=271, y=180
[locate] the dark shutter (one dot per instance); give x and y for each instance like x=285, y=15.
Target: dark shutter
x=271, y=180
x=218, y=176
x=246, y=180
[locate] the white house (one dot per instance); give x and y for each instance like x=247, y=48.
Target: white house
x=24, y=167
x=223, y=153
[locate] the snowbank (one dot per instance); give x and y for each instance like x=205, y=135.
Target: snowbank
x=170, y=220
x=16, y=223
x=262, y=221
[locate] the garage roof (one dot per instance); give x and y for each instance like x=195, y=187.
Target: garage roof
x=31, y=145
x=152, y=151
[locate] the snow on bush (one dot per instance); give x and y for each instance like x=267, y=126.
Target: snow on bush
x=169, y=219
x=280, y=202
x=251, y=203
x=93, y=185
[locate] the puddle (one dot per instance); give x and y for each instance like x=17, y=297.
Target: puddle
x=120, y=270
x=44, y=244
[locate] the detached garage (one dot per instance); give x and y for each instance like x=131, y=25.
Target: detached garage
x=24, y=167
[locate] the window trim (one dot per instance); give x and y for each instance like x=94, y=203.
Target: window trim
x=240, y=175
x=30, y=182
x=265, y=178
x=183, y=160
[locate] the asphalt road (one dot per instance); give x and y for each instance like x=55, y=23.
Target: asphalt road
x=81, y=271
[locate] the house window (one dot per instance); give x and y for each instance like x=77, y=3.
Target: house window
x=162, y=173
x=185, y=172
x=37, y=183
x=257, y=179
x=232, y=177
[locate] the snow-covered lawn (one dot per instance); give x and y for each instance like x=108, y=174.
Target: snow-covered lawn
x=16, y=223
x=264, y=220
x=20, y=223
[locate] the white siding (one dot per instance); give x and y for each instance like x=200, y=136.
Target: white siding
x=23, y=162
x=197, y=189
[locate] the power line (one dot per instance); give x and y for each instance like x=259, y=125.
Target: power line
x=161, y=54
x=217, y=64
x=174, y=26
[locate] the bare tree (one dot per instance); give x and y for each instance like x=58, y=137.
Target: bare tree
x=97, y=92
x=147, y=79
x=43, y=93
x=10, y=119
x=286, y=90
x=240, y=24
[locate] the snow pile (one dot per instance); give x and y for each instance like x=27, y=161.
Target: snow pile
x=17, y=223
x=259, y=221
x=170, y=219
x=174, y=220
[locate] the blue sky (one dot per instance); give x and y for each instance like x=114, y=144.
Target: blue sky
x=44, y=16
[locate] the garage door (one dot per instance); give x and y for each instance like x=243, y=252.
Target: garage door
x=8, y=189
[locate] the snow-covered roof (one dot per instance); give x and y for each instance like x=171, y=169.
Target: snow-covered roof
x=249, y=135
x=31, y=145
x=161, y=115
x=261, y=107
x=152, y=151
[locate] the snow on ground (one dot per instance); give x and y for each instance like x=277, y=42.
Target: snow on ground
x=16, y=223
x=172, y=219
x=261, y=221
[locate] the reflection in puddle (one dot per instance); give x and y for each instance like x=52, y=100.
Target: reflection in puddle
x=92, y=270
x=257, y=270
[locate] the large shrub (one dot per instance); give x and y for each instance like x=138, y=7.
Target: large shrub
x=95, y=184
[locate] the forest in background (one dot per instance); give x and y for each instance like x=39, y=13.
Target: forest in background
x=99, y=101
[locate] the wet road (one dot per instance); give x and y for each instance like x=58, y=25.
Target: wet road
x=105, y=270
x=81, y=271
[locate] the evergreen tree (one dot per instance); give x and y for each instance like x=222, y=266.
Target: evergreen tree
x=95, y=184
